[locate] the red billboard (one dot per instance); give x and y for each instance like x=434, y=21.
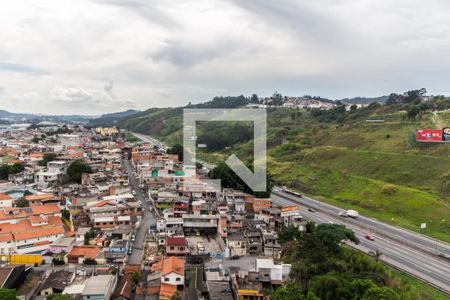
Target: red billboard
x=429, y=135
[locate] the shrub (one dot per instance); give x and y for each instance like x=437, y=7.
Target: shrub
x=389, y=189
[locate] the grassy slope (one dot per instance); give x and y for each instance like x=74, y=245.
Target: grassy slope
x=374, y=167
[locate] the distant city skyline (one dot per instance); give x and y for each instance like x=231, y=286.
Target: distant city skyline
x=101, y=56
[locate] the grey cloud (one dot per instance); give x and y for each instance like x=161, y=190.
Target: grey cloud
x=299, y=18
x=171, y=52
x=13, y=67
x=109, y=89
x=144, y=9
x=74, y=95
x=181, y=55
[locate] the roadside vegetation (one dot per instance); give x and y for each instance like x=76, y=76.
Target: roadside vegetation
x=131, y=137
x=324, y=268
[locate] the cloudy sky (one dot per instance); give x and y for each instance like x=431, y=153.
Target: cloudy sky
x=92, y=57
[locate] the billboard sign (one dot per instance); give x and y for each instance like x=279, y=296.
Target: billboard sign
x=446, y=134
x=291, y=210
x=430, y=135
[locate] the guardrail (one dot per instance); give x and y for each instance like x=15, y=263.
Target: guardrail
x=361, y=225
x=447, y=292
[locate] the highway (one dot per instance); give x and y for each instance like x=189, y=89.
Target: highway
x=422, y=265
x=152, y=141
x=406, y=237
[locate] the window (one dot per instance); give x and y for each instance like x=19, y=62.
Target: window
x=166, y=279
x=178, y=279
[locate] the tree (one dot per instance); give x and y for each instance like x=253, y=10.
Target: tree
x=413, y=111
x=22, y=202
x=380, y=293
x=65, y=214
x=360, y=286
x=230, y=179
x=288, y=234
x=89, y=261
x=330, y=287
x=332, y=235
x=57, y=261
x=88, y=236
x=8, y=294
x=414, y=96
x=76, y=169
x=6, y=170
x=377, y=255
x=291, y=291
x=254, y=99
x=177, y=296
x=394, y=99
x=176, y=149
x=48, y=157
x=16, y=168
x=135, y=277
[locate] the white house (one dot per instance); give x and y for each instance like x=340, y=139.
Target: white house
x=5, y=200
x=172, y=270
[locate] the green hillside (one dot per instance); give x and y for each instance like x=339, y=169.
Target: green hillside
x=339, y=157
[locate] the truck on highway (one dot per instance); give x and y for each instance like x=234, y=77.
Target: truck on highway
x=286, y=190
x=352, y=213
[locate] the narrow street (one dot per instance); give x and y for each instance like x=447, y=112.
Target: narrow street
x=147, y=219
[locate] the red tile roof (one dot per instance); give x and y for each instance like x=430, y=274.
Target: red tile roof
x=4, y=196
x=176, y=241
x=86, y=251
x=6, y=237
x=167, y=290
x=172, y=265
x=45, y=209
x=41, y=232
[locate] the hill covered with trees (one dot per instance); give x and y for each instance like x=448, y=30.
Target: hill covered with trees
x=339, y=155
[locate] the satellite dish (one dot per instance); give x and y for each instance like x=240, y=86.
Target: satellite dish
x=3, y=258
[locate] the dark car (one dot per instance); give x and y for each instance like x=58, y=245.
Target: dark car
x=311, y=210
x=235, y=257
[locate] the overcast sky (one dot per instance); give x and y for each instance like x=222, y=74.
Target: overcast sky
x=92, y=57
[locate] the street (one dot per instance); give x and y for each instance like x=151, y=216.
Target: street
x=147, y=219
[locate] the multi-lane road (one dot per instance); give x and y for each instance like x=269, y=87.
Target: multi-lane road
x=149, y=139
x=401, y=249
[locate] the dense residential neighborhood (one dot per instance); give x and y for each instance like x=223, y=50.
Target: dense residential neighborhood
x=86, y=213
